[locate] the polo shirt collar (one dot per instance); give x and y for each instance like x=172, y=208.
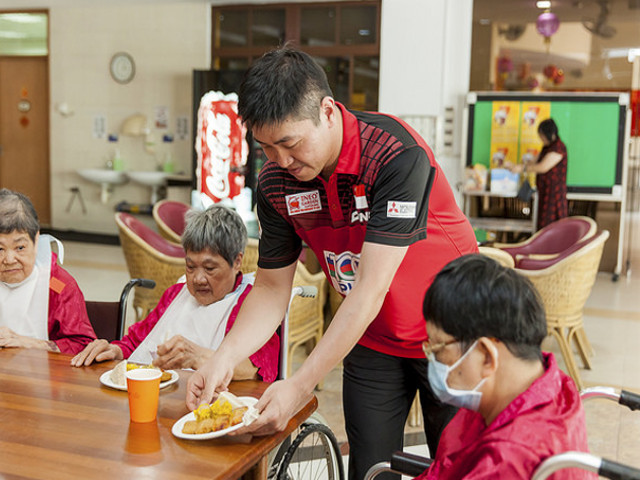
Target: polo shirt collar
x=349, y=159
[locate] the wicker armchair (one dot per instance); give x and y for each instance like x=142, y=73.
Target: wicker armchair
x=148, y=255
x=169, y=217
x=306, y=315
x=250, y=257
x=500, y=256
x=564, y=284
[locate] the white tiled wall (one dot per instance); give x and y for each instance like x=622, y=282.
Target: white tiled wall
x=167, y=42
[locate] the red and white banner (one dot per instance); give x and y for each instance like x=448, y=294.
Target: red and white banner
x=221, y=147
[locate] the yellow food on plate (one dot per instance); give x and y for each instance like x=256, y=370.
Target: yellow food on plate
x=220, y=415
x=190, y=427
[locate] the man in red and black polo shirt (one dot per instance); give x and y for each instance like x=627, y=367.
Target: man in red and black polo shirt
x=364, y=192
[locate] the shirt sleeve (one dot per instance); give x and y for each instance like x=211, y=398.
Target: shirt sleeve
x=279, y=244
x=266, y=358
x=400, y=200
x=69, y=325
x=139, y=331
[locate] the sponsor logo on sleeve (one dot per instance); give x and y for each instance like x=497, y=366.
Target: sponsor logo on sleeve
x=304, y=202
x=342, y=268
x=401, y=209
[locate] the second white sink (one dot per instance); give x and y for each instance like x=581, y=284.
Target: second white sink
x=149, y=178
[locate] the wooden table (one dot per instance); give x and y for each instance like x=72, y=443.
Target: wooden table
x=57, y=421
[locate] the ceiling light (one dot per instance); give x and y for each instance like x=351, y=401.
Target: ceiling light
x=542, y=4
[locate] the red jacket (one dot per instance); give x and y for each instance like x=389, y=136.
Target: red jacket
x=544, y=420
x=68, y=323
x=266, y=359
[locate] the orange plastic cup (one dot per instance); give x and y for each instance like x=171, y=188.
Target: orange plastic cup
x=143, y=386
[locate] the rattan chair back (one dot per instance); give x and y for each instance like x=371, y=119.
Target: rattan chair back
x=250, y=257
x=306, y=315
x=564, y=288
x=554, y=238
x=500, y=256
x=169, y=217
x=148, y=255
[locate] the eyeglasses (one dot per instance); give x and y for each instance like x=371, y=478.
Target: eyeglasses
x=430, y=349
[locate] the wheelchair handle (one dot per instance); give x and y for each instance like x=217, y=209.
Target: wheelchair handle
x=585, y=461
x=628, y=399
x=617, y=471
x=122, y=307
x=304, y=291
x=409, y=464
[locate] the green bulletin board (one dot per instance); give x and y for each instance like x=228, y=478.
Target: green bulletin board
x=592, y=126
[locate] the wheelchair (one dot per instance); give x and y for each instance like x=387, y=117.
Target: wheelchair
x=413, y=465
x=312, y=451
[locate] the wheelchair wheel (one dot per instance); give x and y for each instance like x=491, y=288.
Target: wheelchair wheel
x=314, y=454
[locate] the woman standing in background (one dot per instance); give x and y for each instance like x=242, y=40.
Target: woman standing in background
x=551, y=175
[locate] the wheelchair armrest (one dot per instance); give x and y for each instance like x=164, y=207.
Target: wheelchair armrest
x=409, y=464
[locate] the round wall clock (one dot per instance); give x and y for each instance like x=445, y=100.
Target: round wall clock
x=122, y=67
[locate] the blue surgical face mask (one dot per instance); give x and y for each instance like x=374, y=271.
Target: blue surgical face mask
x=439, y=372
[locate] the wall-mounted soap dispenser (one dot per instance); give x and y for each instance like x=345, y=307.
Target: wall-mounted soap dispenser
x=167, y=164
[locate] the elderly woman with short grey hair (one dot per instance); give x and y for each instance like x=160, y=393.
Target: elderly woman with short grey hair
x=41, y=305
x=192, y=318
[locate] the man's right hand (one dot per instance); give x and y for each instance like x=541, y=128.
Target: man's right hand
x=97, y=351
x=209, y=380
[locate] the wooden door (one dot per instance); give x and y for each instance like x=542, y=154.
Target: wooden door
x=24, y=130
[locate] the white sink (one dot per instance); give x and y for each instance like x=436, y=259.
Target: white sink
x=149, y=178
x=155, y=180
x=103, y=176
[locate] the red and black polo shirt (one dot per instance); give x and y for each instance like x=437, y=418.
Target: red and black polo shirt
x=387, y=189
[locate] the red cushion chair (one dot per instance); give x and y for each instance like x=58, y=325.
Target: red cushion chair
x=540, y=250
x=564, y=283
x=169, y=217
x=148, y=255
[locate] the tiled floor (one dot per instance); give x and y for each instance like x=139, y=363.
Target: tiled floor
x=612, y=323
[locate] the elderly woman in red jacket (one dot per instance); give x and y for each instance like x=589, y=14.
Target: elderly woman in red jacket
x=41, y=305
x=192, y=317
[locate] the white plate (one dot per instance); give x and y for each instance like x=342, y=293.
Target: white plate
x=177, y=427
x=105, y=379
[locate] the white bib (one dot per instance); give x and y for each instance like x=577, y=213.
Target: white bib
x=24, y=307
x=203, y=325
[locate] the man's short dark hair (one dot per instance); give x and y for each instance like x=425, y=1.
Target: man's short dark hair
x=474, y=296
x=17, y=214
x=283, y=84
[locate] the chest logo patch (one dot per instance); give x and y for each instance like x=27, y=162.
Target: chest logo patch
x=342, y=268
x=401, y=209
x=304, y=202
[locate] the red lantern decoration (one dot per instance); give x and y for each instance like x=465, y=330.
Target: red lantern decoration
x=550, y=71
x=558, y=78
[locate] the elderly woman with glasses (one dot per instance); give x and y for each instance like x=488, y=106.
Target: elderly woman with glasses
x=192, y=318
x=486, y=324
x=41, y=305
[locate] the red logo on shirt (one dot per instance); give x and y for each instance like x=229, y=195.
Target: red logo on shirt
x=303, y=202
